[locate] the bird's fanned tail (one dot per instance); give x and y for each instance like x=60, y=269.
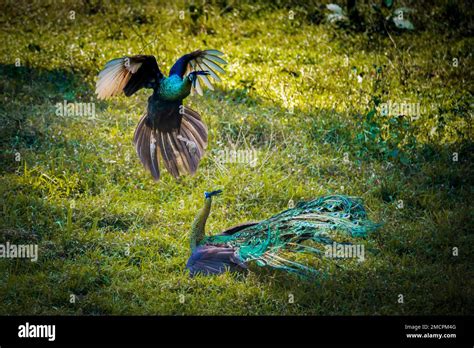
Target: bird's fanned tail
x=180, y=149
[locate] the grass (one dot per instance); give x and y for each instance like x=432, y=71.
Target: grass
x=300, y=92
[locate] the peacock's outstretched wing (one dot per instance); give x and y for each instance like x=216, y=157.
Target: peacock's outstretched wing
x=128, y=75
x=268, y=241
x=207, y=60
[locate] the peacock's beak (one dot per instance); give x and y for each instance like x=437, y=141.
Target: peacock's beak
x=212, y=193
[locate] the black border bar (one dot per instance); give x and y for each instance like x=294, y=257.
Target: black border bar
x=139, y=330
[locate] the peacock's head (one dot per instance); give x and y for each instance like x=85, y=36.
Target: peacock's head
x=212, y=193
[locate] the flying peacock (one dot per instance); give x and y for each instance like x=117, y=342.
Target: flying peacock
x=176, y=130
x=270, y=242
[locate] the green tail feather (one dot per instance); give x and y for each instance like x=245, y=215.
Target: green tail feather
x=268, y=241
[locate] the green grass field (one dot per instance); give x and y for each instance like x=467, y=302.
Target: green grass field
x=304, y=93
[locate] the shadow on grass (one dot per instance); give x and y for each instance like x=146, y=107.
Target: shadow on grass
x=29, y=96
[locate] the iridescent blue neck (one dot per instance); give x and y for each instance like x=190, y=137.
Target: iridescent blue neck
x=174, y=88
x=198, y=228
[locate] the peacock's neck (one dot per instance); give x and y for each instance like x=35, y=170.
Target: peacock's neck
x=198, y=231
x=174, y=88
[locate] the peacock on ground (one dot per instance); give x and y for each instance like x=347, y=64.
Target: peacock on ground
x=176, y=130
x=269, y=242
